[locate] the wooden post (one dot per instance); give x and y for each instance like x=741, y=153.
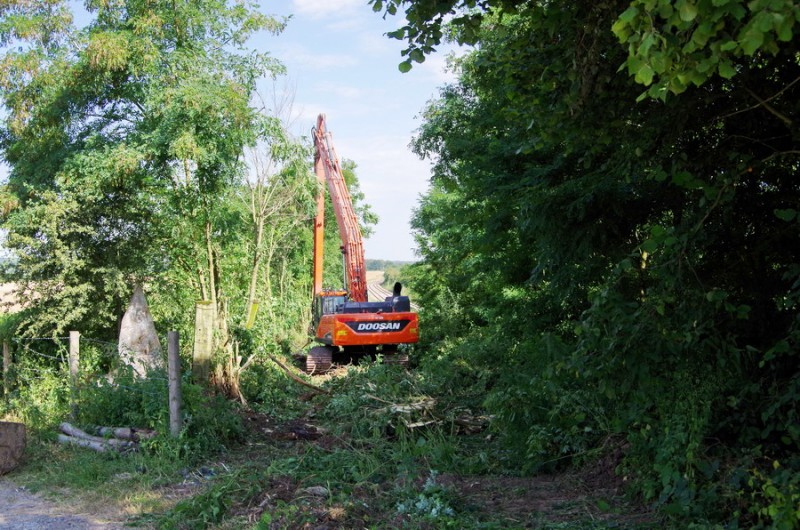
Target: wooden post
x=6, y=368
x=74, y=358
x=174, y=366
x=203, y=341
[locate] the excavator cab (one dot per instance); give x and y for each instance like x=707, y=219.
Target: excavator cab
x=328, y=302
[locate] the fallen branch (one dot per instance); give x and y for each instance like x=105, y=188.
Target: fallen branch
x=421, y=403
x=296, y=378
x=81, y=442
x=100, y=445
x=472, y=424
x=418, y=424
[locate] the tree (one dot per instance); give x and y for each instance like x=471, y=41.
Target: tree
x=616, y=270
x=113, y=140
x=672, y=46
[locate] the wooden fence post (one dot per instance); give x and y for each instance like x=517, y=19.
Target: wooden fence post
x=6, y=368
x=174, y=367
x=74, y=359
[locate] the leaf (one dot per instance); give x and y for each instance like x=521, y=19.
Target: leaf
x=787, y=215
x=647, y=42
x=649, y=246
x=404, y=67
x=645, y=75
x=726, y=70
x=629, y=14
x=621, y=30
x=751, y=41
x=688, y=12
x=417, y=56
x=784, y=29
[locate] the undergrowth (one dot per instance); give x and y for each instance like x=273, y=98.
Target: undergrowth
x=379, y=449
x=387, y=440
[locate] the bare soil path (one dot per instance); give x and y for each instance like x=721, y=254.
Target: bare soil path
x=23, y=510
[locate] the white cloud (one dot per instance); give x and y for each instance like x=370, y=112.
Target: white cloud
x=376, y=44
x=336, y=90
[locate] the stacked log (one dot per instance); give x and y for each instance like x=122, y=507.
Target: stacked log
x=120, y=439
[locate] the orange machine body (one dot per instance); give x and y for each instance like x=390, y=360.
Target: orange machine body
x=344, y=323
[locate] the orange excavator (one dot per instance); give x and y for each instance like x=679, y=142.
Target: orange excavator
x=345, y=323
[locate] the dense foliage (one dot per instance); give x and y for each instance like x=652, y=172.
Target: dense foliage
x=119, y=175
x=619, y=273
x=111, y=139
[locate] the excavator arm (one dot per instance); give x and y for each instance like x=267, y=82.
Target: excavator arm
x=329, y=171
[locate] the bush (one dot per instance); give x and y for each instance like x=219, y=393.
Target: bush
x=210, y=422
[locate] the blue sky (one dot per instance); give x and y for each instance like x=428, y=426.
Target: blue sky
x=340, y=63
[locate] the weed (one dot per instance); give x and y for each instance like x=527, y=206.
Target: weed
x=432, y=503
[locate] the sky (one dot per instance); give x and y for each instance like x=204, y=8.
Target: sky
x=340, y=63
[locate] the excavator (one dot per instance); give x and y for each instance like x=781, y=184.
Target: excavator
x=345, y=323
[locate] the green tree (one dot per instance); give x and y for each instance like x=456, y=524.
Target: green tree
x=112, y=135
x=616, y=270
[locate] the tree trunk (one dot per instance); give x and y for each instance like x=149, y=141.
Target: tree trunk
x=12, y=445
x=259, y=236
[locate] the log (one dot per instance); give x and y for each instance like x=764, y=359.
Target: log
x=81, y=442
x=126, y=433
x=296, y=378
x=12, y=445
x=100, y=445
x=74, y=432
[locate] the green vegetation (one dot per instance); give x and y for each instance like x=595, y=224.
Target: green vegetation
x=615, y=270
x=610, y=268
x=383, y=264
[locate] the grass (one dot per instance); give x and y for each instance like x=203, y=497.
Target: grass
x=107, y=484
x=347, y=460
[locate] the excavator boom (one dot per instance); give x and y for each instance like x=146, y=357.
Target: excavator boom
x=328, y=170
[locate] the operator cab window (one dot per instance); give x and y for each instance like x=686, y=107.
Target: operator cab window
x=332, y=304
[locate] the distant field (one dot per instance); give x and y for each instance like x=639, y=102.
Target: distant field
x=8, y=300
x=374, y=276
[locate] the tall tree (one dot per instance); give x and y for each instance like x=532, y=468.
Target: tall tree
x=621, y=270
x=113, y=138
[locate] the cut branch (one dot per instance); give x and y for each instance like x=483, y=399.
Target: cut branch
x=126, y=433
x=296, y=378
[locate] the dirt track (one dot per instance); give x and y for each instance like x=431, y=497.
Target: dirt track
x=22, y=510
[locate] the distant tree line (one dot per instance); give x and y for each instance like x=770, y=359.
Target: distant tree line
x=383, y=264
